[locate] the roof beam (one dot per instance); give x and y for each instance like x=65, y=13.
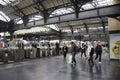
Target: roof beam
x=49, y=9
x=18, y=9
x=107, y=11
x=40, y=3
x=76, y=7
x=43, y=12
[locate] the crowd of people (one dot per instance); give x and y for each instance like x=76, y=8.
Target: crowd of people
x=83, y=49
x=91, y=49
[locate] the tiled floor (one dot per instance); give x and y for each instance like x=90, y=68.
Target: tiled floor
x=57, y=68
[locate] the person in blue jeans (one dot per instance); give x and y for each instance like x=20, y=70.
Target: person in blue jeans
x=98, y=50
x=73, y=52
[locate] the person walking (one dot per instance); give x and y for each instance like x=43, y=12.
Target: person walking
x=65, y=50
x=91, y=52
x=98, y=50
x=73, y=52
x=57, y=48
x=83, y=51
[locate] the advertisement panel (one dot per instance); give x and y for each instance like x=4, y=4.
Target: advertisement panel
x=115, y=46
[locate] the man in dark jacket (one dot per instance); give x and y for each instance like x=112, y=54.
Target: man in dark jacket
x=73, y=52
x=65, y=50
x=98, y=51
x=84, y=48
x=57, y=48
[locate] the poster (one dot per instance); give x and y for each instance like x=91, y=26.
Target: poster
x=115, y=46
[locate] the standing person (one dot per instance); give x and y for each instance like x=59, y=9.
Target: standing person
x=91, y=52
x=83, y=51
x=73, y=52
x=79, y=48
x=34, y=50
x=48, y=49
x=98, y=50
x=57, y=48
x=65, y=50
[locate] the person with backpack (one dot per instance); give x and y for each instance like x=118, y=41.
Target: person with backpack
x=98, y=50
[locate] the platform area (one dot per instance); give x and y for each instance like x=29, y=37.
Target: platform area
x=57, y=68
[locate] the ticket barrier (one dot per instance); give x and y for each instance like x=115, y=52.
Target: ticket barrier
x=16, y=54
x=27, y=53
x=4, y=56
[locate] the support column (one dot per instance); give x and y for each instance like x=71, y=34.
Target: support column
x=11, y=35
x=114, y=30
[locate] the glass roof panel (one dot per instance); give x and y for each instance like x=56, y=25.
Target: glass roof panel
x=96, y=3
x=87, y=6
x=20, y=22
x=101, y=3
x=6, y=2
x=53, y=26
x=66, y=30
x=35, y=17
x=62, y=11
x=3, y=17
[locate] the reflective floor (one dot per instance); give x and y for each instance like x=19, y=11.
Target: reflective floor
x=57, y=68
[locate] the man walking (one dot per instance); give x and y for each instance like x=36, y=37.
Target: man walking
x=98, y=51
x=73, y=52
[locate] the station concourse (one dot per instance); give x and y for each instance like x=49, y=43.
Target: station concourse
x=59, y=39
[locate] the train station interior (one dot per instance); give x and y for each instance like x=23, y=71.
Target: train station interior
x=59, y=39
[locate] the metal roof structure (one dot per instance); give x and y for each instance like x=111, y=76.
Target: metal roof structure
x=57, y=14
x=16, y=9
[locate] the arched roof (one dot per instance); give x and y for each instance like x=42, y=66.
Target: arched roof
x=19, y=8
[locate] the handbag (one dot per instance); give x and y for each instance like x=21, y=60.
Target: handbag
x=70, y=59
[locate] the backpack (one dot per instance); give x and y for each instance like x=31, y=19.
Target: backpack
x=76, y=48
x=98, y=48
